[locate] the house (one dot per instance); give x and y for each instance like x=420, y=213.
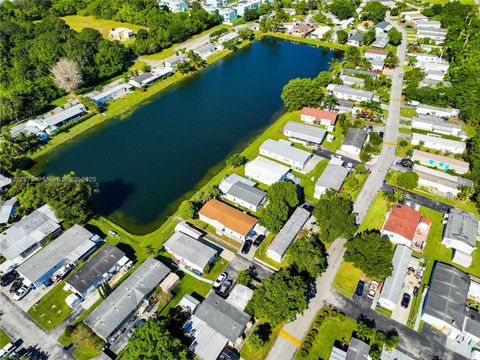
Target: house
x=96, y=270
x=380, y=42
x=377, y=65
x=376, y=54
x=393, y=285
x=358, y=72
x=215, y=324
x=266, y=171
x=442, y=162
x=149, y=77
x=352, y=80
x=445, y=306
x=228, y=15
x=445, y=113
x=429, y=58
x=413, y=16
x=432, y=67
x=354, y=140
x=318, y=116
x=348, y=93
x=227, y=220
x=345, y=106
x=121, y=33
x=7, y=210
x=4, y=182
x=440, y=182
x=26, y=237
x=246, y=195
x=383, y=27
x=123, y=302
x=356, y=350
x=355, y=39
x=305, y=134
x=228, y=37
x=435, y=124
x=434, y=75
x=430, y=24
x=205, y=50
x=277, y=249
x=188, y=303
x=332, y=177
x=474, y=291
x=35, y=127
x=188, y=229
x=175, y=6
x=65, y=116
x=302, y=30
x=62, y=253
x=174, y=60
x=240, y=296
x=461, y=234
x=231, y=179
x=320, y=32
x=438, y=143
x=188, y=252
x=406, y=226
x=112, y=93
x=283, y=151
x=344, y=24
x=436, y=35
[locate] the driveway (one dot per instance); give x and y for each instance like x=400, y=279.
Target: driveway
x=327, y=154
x=36, y=342
x=420, y=200
x=240, y=263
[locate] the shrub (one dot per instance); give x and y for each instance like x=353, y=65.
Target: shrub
x=408, y=180
x=307, y=345
x=309, y=338
x=304, y=353
x=314, y=332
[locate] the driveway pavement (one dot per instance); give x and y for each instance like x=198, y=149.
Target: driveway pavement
x=36, y=342
x=240, y=263
x=420, y=200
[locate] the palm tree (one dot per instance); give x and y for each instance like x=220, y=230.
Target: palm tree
x=466, y=192
x=329, y=101
x=196, y=60
x=184, y=67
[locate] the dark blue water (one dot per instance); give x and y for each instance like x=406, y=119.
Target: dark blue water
x=149, y=161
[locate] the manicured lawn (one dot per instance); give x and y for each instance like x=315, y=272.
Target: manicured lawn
x=337, y=142
x=52, y=309
x=347, y=277
x=4, y=339
x=308, y=180
x=314, y=42
x=353, y=193
x=403, y=130
x=187, y=285
x=218, y=268
x=407, y=112
x=331, y=329
x=376, y=215
x=77, y=23
x=60, y=101
x=88, y=345
x=261, y=253
x=249, y=353
x=384, y=312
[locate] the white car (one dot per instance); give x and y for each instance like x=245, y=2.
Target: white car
x=20, y=294
x=220, y=279
x=350, y=166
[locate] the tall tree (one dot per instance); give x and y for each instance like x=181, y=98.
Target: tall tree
x=298, y=93
x=67, y=75
x=308, y=255
x=374, y=11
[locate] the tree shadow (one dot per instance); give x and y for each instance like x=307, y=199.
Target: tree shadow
x=111, y=196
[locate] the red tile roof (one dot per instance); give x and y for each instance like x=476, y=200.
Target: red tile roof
x=320, y=114
x=377, y=51
x=403, y=220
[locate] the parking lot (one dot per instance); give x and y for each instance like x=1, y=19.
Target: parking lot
x=30, y=299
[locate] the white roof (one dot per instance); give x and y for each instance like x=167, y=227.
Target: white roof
x=6, y=208
x=208, y=343
x=266, y=168
x=231, y=179
x=393, y=285
x=190, y=249
x=240, y=296
x=189, y=303
x=305, y=132
x=227, y=37
x=344, y=89
x=285, y=150
x=438, y=140
x=474, y=290
x=66, y=114
x=426, y=172
x=111, y=91
x=333, y=176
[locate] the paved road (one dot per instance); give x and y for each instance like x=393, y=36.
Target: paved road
x=38, y=343
x=420, y=200
x=375, y=180
x=292, y=333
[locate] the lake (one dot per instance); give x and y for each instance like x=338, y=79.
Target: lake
x=147, y=162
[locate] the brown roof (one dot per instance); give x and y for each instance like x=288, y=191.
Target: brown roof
x=403, y=220
x=320, y=114
x=228, y=216
x=377, y=51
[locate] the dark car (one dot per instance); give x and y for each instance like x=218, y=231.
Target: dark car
x=258, y=240
x=359, y=289
x=415, y=291
x=16, y=285
x=246, y=246
x=8, y=278
x=406, y=163
x=226, y=285
x=405, y=300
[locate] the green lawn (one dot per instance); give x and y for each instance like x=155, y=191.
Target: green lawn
x=4, y=339
x=77, y=23
x=415, y=308
x=249, y=353
x=403, y=130
x=314, y=42
x=88, y=345
x=376, y=215
x=218, y=268
x=353, y=193
x=337, y=142
x=331, y=329
x=52, y=309
x=261, y=253
x=407, y=112
x=308, y=180
x=384, y=312
x=347, y=277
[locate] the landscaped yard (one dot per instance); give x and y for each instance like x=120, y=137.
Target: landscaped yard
x=77, y=23
x=337, y=142
x=248, y=352
x=52, y=309
x=261, y=253
x=353, y=192
x=337, y=327
x=217, y=269
x=4, y=339
x=88, y=345
x=308, y=180
x=347, y=277
x=407, y=112
x=376, y=215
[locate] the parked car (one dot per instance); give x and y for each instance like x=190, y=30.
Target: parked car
x=258, y=240
x=373, y=289
x=359, y=289
x=349, y=166
x=135, y=326
x=16, y=285
x=8, y=278
x=415, y=291
x=225, y=287
x=405, y=300
x=336, y=156
x=220, y=279
x=20, y=294
x=246, y=246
